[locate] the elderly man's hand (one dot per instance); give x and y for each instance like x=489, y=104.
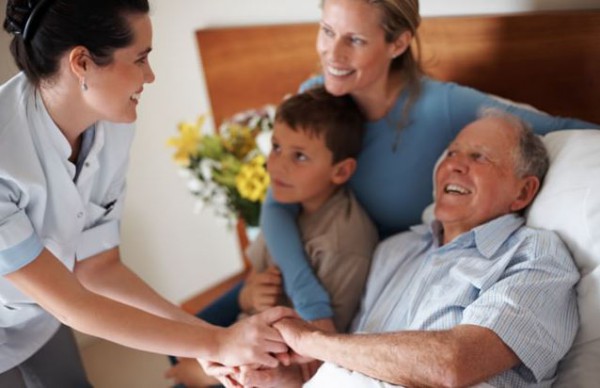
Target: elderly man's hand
x=293, y=330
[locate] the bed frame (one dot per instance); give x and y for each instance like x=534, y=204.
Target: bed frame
x=550, y=60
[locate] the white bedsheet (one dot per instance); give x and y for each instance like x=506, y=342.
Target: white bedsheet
x=330, y=375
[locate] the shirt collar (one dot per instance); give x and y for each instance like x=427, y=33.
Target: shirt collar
x=488, y=237
x=87, y=140
x=58, y=139
x=336, y=197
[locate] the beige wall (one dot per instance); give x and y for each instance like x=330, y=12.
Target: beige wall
x=7, y=66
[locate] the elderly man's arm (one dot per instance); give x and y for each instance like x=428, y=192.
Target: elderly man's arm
x=463, y=356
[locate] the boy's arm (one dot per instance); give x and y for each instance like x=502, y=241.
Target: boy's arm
x=261, y=290
x=262, y=287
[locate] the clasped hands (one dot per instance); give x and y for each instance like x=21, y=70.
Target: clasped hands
x=287, y=368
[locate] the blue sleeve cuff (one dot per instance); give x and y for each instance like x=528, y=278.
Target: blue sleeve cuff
x=18, y=256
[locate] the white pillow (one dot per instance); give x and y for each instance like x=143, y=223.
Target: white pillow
x=569, y=204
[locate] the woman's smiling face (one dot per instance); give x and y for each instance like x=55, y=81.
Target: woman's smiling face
x=114, y=90
x=354, y=54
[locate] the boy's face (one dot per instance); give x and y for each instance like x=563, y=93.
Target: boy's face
x=301, y=168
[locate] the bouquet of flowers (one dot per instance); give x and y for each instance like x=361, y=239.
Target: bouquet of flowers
x=227, y=170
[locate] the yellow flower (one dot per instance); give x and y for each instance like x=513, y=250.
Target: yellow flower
x=187, y=143
x=238, y=139
x=222, y=166
x=252, y=181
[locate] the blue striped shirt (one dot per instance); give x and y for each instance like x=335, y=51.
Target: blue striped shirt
x=514, y=280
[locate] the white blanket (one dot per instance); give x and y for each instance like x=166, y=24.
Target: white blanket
x=330, y=375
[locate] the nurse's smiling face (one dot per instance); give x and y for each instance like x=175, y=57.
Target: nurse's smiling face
x=114, y=90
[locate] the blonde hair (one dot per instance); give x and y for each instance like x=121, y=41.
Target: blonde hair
x=398, y=16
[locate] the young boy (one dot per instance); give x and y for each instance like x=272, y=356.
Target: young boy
x=316, y=139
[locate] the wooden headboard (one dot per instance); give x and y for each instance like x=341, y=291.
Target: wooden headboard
x=550, y=60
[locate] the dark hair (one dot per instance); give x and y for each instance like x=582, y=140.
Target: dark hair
x=336, y=118
x=46, y=29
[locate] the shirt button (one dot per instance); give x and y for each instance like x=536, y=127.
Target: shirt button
x=80, y=214
x=87, y=164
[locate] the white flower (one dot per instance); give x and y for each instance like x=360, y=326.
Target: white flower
x=240, y=117
x=263, y=142
x=207, y=192
x=254, y=121
x=220, y=198
x=195, y=185
x=206, y=169
x=271, y=110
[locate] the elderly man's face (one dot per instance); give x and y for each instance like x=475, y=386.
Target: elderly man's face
x=476, y=182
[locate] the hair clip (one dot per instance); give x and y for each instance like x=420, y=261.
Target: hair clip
x=33, y=18
x=13, y=26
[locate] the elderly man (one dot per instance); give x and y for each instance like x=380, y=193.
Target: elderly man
x=476, y=297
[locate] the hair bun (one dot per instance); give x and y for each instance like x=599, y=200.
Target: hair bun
x=17, y=13
x=23, y=16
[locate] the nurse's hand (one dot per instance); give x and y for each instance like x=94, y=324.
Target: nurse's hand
x=227, y=376
x=253, y=340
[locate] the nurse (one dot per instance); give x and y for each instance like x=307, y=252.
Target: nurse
x=65, y=132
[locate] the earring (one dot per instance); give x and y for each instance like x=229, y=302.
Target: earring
x=84, y=86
